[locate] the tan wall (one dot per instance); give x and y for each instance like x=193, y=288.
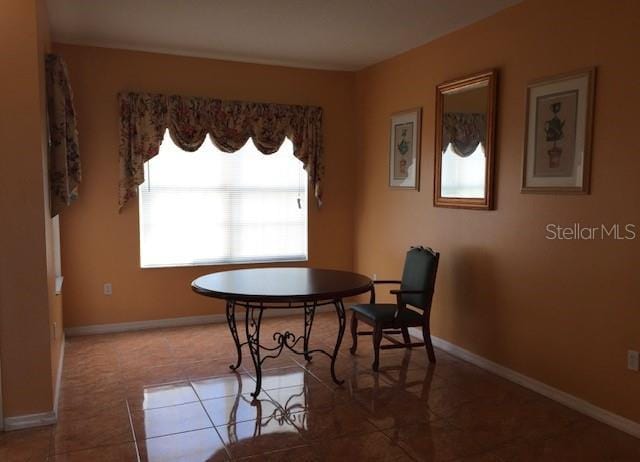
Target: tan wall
x=99, y=245
x=562, y=312
x=26, y=270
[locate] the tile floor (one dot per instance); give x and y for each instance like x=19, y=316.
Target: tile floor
x=168, y=395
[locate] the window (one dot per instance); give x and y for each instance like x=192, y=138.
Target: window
x=211, y=207
x=463, y=177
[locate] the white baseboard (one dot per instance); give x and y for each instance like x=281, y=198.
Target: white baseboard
x=31, y=420
x=21, y=422
x=95, y=329
x=573, y=402
x=177, y=322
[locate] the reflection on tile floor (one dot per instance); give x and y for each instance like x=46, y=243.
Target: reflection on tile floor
x=168, y=395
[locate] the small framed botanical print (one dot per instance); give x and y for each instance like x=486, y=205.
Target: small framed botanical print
x=404, y=149
x=559, y=120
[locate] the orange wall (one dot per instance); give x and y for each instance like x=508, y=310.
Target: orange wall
x=563, y=312
x=99, y=245
x=27, y=303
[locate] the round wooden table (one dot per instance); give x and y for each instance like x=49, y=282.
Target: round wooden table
x=261, y=289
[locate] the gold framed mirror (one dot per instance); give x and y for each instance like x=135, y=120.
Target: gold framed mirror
x=464, y=142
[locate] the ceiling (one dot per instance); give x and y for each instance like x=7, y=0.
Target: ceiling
x=322, y=34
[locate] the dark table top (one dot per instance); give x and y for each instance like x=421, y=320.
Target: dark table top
x=281, y=284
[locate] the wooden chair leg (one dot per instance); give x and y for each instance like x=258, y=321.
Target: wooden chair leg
x=426, y=335
x=354, y=333
x=405, y=335
x=377, y=338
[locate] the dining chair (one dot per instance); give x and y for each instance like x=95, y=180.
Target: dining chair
x=412, y=307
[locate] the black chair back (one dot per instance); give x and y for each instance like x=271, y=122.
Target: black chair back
x=420, y=269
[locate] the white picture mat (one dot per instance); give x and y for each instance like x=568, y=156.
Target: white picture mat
x=580, y=83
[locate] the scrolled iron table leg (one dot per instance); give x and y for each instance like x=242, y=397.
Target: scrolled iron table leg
x=252, y=329
x=309, y=312
x=231, y=321
x=341, y=325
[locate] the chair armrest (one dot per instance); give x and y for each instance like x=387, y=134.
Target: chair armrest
x=400, y=292
x=387, y=281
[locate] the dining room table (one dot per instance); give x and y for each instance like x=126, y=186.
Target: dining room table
x=249, y=293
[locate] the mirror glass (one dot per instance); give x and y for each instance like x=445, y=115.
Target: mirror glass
x=463, y=157
x=464, y=151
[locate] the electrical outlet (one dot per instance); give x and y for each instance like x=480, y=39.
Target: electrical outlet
x=633, y=360
x=375, y=276
x=108, y=288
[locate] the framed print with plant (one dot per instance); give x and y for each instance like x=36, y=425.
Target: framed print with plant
x=559, y=121
x=404, y=150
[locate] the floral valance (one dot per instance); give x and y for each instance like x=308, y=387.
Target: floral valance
x=64, y=157
x=464, y=131
x=145, y=117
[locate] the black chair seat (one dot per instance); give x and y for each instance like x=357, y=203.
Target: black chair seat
x=384, y=312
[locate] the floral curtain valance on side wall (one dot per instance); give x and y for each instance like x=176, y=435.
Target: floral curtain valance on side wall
x=64, y=157
x=465, y=131
x=144, y=118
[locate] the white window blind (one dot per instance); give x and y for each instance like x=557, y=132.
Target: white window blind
x=211, y=207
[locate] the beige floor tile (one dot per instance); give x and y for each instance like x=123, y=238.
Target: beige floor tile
x=239, y=408
x=163, y=421
x=493, y=423
x=228, y=385
x=311, y=395
x=252, y=438
x=151, y=397
x=284, y=360
x=285, y=377
x=444, y=401
x=300, y=454
x=25, y=445
x=119, y=453
x=370, y=447
x=152, y=374
x=433, y=442
x=101, y=395
x=323, y=424
x=208, y=368
x=194, y=446
x=90, y=428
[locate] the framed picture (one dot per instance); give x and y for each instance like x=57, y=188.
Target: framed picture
x=404, y=149
x=559, y=120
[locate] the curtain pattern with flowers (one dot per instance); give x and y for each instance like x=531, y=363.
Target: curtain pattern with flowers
x=465, y=131
x=64, y=156
x=145, y=117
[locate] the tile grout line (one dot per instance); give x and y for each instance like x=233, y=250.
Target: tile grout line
x=133, y=430
x=215, y=429
x=403, y=450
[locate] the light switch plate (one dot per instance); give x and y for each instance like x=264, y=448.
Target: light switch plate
x=108, y=288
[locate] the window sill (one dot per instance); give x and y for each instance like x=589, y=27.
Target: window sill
x=59, y=281
x=227, y=263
